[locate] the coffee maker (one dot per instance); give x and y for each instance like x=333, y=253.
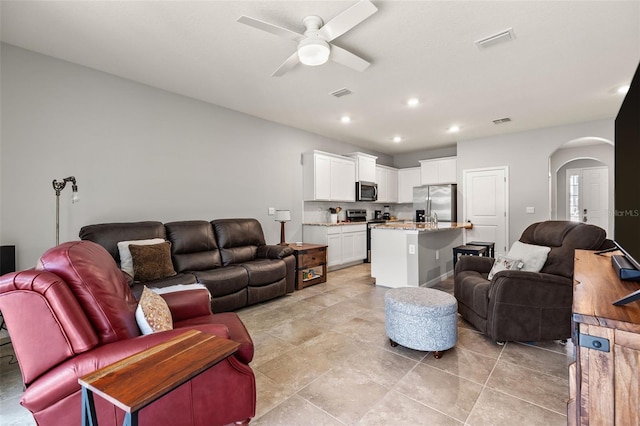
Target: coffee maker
x=386, y=215
x=420, y=216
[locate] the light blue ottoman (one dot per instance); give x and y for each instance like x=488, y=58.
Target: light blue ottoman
x=423, y=319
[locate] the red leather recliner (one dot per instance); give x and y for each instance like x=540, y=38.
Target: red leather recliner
x=74, y=313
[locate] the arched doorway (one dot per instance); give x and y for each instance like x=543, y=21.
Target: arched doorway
x=582, y=181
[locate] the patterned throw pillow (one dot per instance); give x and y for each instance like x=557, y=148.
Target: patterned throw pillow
x=534, y=257
x=126, y=262
x=153, y=314
x=151, y=262
x=503, y=263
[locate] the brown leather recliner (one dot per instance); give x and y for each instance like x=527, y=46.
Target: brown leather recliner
x=75, y=313
x=520, y=305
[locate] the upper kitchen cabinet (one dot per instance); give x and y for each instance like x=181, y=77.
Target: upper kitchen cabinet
x=328, y=177
x=365, y=166
x=407, y=180
x=387, y=180
x=438, y=171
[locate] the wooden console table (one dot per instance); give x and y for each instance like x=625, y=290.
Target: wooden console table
x=136, y=381
x=311, y=264
x=604, y=385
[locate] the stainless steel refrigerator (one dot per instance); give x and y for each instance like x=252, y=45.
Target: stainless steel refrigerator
x=441, y=199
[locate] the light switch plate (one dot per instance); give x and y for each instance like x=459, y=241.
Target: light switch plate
x=531, y=210
x=272, y=211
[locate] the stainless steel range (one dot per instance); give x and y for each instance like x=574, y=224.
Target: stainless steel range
x=361, y=216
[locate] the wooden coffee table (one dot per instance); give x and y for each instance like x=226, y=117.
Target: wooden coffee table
x=136, y=381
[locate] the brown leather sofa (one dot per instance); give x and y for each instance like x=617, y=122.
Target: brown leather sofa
x=228, y=256
x=526, y=306
x=75, y=313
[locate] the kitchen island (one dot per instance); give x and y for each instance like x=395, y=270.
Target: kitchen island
x=414, y=254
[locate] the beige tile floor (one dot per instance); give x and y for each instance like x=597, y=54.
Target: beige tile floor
x=322, y=358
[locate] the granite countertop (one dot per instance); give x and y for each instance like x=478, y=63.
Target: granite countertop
x=423, y=227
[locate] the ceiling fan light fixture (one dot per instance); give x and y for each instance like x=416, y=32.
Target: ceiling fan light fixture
x=313, y=51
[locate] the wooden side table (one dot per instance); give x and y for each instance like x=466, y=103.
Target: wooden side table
x=311, y=264
x=136, y=381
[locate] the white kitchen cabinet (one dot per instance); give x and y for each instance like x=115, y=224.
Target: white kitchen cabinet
x=346, y=244
x=407, y=180
x=354, y=243
x=438, y=171
x=334, y=248
x=387, y=179
x=328, y=177
x=365, y=166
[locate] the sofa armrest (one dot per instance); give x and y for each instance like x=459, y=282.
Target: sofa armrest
x=188, y=303
x=530, y=289
x=479, y=264
x=62, y=380
x=268, y=251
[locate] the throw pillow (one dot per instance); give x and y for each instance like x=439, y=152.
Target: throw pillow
x=152, y=313
x=152, y=262
x=126, y=263
x=504, y=263
x=533, y=257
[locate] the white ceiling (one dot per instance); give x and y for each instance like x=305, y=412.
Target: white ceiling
x=564, y=65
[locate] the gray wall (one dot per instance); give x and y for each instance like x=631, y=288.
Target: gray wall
x=403, y=161
x=138, y=153
x=527, y=156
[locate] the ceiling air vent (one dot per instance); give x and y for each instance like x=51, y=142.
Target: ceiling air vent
x=502, y=120
x=502, y=36
x=341, y=92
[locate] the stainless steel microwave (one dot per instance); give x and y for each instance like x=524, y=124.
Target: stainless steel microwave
x=366, y=191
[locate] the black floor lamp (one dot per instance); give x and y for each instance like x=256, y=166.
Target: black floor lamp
x=58, y=187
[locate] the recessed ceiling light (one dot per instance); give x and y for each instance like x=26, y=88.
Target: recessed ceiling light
x=454, y=129
x=397, y=139
x=345, y=119
x=623, y=90
x=412, y=102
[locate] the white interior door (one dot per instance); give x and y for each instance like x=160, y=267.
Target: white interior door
x=588, y=196
x=485, y=206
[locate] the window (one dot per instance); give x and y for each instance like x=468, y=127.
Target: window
x=573, y=183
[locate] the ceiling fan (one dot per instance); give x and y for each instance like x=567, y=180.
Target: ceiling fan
x=314, y=46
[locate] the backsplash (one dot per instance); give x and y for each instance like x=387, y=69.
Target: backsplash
x=318, y=211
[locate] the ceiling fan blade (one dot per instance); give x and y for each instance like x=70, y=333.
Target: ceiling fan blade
x=347, y=20
x=287, y=65
x=270, y=28
x=348, y=59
